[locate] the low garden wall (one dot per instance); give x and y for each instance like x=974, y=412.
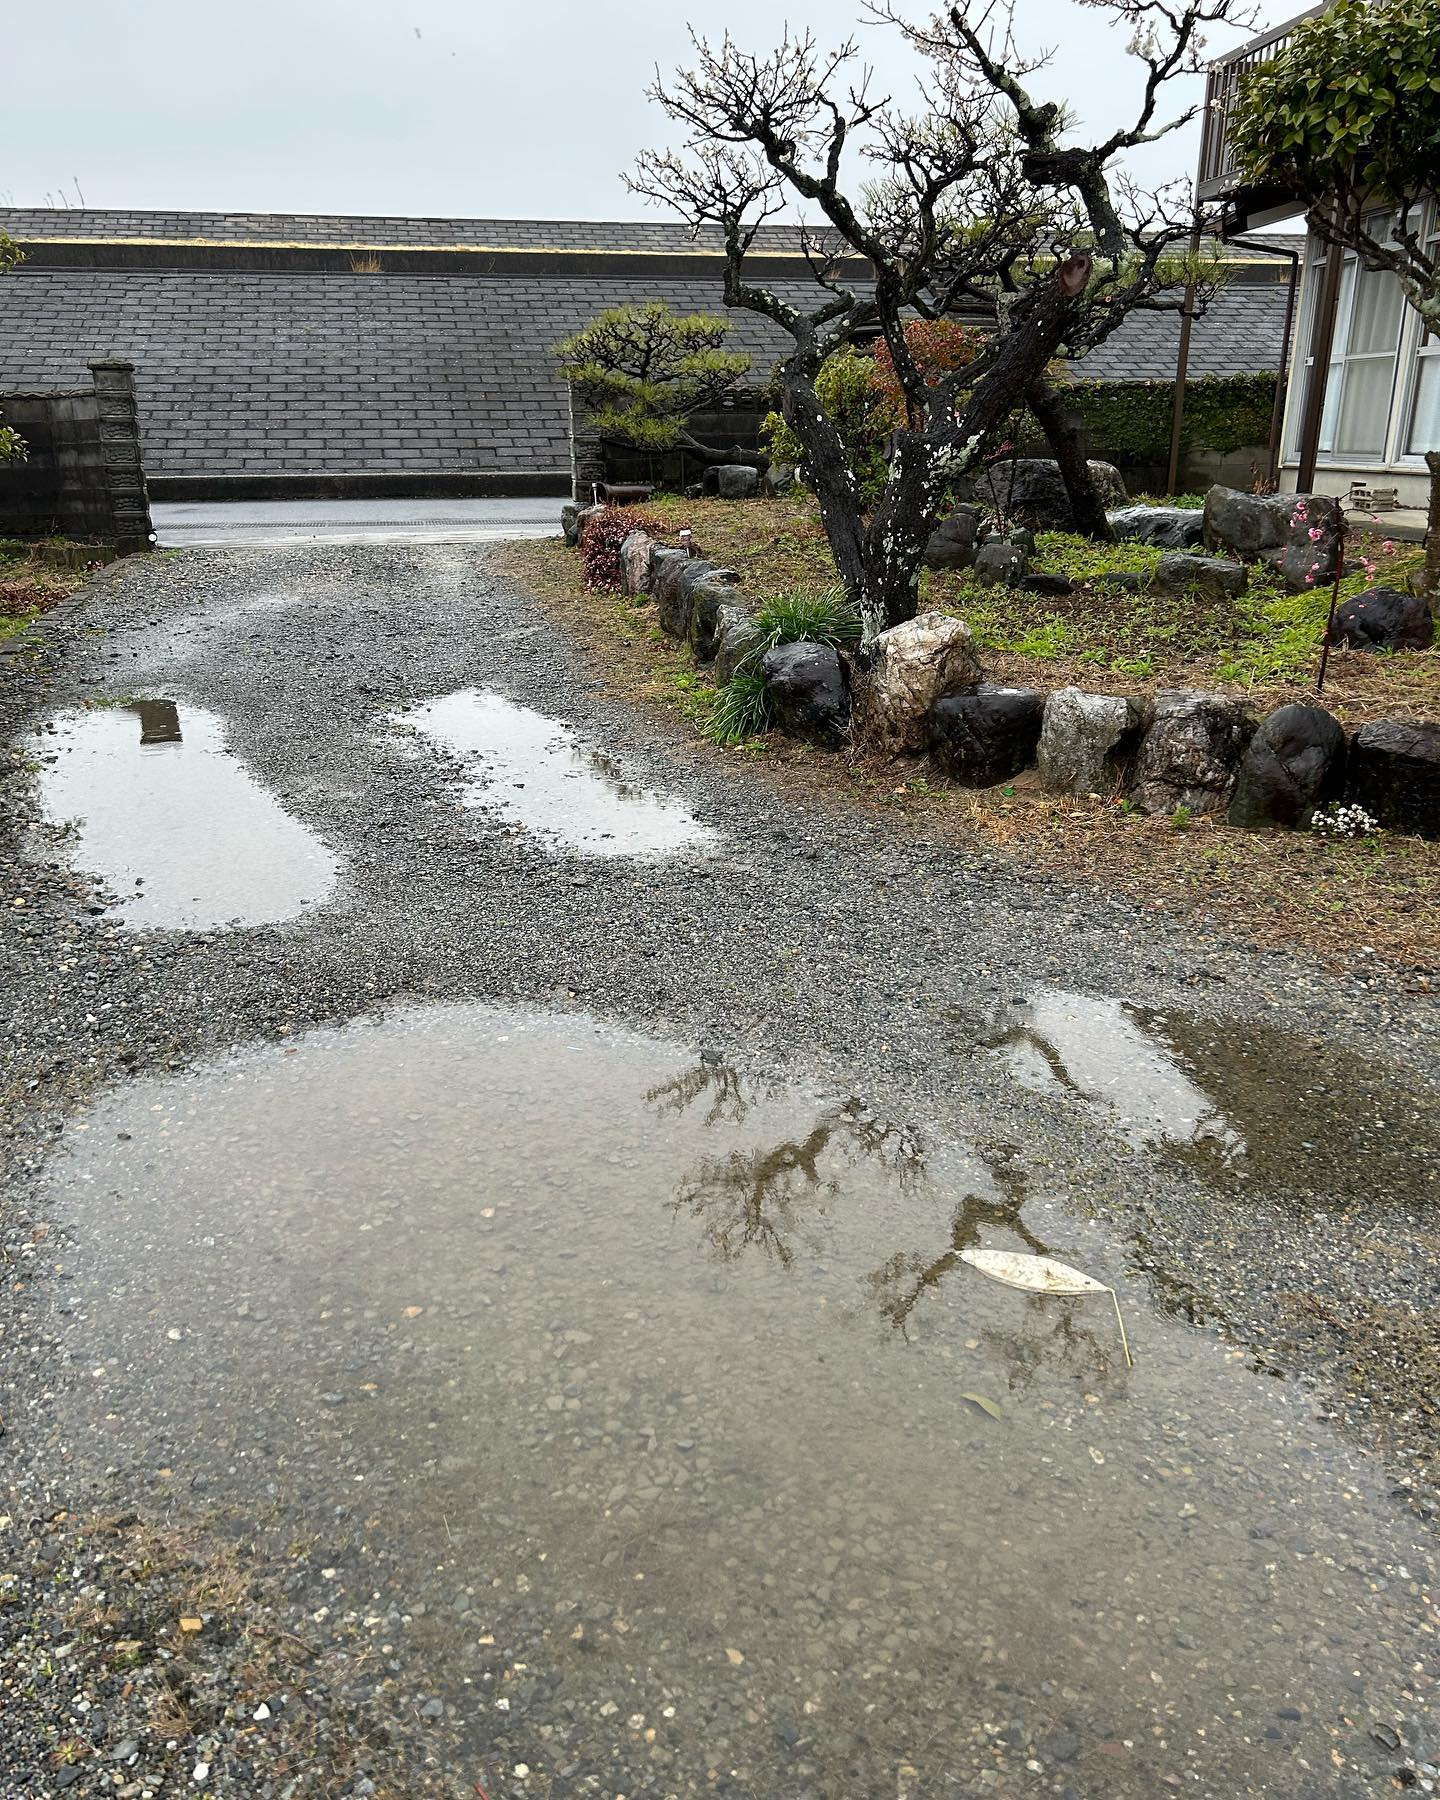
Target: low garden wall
x=920, y=689
x=81, y=475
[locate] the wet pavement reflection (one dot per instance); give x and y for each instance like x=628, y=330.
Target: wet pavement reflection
x=171, y=822
x=531, y=772
x=639, y=1402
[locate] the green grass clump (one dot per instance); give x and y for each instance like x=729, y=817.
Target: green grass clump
x=806, y=616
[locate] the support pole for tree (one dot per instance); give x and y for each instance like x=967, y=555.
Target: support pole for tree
x=1182, y=363
x=1322, y=339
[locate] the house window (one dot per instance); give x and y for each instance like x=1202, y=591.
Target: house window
x=1369, y=316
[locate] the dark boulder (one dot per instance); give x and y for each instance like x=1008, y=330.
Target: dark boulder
x=1394, y=773
x=1191, y=754
x=1163, y=527
x=1042, y=583
x=1002, y=562
x=1246, y=525
x=711, y=596
x=1031, y=489
x=1295, y=763
x=808, y=693
x=955, y=539
x=1179, y=573
x=737, y=641
x=666, y=569
x=1383, y=618
x=737, y=481
x=1312, y=545
x=987, y=737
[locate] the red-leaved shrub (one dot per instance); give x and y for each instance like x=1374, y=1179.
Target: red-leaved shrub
x=602, y=537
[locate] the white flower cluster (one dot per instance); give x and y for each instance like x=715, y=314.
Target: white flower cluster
x=1345, y=822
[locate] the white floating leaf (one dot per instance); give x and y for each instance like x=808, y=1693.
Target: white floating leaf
x=1040, y=1274
x=1043, y=1275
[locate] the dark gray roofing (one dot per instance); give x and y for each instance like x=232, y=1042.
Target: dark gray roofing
x=1241, y=333
x=32, y=224
x=259, y=373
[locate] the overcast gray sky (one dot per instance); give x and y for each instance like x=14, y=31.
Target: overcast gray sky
x=467, y=108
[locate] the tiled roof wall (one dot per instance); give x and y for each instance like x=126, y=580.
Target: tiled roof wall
x=255, y=373
x=260, y=373
x=655, y=235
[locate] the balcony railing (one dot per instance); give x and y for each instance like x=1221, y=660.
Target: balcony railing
x=1218, y=177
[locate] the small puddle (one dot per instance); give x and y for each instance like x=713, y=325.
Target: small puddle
x=619, y=1387
x=1285, y=1108
x=531, y=772
x=1097, y=1050
x=172, y=823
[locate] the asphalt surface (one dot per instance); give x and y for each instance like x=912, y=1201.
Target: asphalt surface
x=226, y=523
x=1234, y=1137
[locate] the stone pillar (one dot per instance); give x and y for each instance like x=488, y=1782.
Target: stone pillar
x=587, y=454
x=120, y=454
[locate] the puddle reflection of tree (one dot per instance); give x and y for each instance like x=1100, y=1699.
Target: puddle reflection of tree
x=759, y=1197
x=900, y=1284
x=768, y=1198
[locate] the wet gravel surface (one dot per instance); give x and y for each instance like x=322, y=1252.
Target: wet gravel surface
x=803, y=942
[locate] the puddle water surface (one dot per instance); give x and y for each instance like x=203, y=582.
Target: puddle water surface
x=656, y=1415
x=172, y=823
x=1267, y=1103
x=532, y=772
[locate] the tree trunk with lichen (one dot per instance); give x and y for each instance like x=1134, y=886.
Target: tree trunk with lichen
x=1432, y=536
x=1065, y=433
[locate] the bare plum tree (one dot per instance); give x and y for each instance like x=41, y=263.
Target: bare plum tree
x=981, y=198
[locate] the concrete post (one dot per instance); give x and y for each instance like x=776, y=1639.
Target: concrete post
x=587, y=454
x=120, y=454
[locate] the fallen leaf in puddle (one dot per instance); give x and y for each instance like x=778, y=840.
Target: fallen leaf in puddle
x=192, y=1624
x=736, y=1657
x=985, y=1405
x=1043, y=1275
x=413, y=1312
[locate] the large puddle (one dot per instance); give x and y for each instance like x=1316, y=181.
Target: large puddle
x=172, y=823
x=657, y=1415
x=531, y=772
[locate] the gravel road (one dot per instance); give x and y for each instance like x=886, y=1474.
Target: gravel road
x=1245, y=1142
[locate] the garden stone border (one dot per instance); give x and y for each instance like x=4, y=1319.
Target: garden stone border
x=701, y=604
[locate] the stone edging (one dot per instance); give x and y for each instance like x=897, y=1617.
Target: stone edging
x=1187, y=750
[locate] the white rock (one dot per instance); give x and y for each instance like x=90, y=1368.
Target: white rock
x=912, y=666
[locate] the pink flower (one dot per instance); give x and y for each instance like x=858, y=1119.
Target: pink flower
x=1315, y=534
x=1388, y=547
x=1301, y=512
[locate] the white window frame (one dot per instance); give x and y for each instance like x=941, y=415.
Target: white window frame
x=1424, y=348
x=1341, y=357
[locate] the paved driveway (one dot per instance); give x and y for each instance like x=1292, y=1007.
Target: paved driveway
x=230, y=522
